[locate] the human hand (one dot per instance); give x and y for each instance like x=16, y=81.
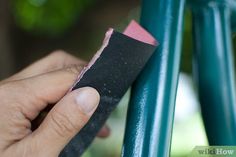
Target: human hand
x=27, y=94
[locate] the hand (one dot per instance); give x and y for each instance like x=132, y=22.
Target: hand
x=26, y=96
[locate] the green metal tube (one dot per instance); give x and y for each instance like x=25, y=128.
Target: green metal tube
x=214, y=71
x=151, y=109
x=233, y=20
x=232, y=5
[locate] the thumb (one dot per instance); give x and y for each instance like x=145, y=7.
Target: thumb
x=65, y=120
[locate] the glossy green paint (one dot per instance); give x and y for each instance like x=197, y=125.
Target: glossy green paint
x=151, y=109
x=214, y=71
x=233, y=21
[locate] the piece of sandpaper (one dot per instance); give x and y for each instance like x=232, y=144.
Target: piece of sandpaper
x=111, y=72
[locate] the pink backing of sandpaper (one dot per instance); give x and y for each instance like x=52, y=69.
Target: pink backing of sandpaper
x=135, y=31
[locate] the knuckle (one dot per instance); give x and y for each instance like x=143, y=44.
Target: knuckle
x=8, y=87
x=5, y=86
x=62, y=124
x=21, y=85
x=75, y=69
x=59, y=53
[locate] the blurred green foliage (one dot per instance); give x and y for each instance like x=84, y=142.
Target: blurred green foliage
x=187, y=48
x=51, y=17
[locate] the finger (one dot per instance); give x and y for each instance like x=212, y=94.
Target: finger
x=54, y=61
x=104, y=132
x=48, y=88
x=65, y=120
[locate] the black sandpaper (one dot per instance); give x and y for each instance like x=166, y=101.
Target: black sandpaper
x=111, y=75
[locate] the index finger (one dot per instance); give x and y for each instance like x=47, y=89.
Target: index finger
x=54, y=61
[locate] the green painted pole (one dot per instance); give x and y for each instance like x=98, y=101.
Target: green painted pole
x=151, y=109
x=214, y=71
x=232, y=5
x=233, y=20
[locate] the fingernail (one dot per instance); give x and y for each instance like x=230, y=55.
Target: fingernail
x=88, y=99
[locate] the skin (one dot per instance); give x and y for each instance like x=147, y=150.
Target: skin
x=38, y=116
